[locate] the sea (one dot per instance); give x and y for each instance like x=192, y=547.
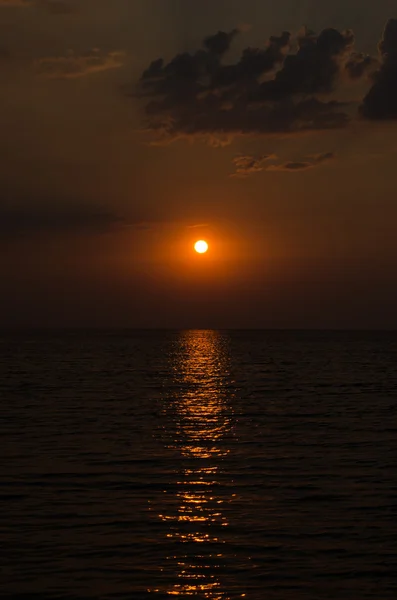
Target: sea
x=198, y=464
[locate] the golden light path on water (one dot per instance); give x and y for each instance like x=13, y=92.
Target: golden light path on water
x=203, y=421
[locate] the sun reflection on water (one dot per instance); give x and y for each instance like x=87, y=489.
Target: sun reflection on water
x=203, y=418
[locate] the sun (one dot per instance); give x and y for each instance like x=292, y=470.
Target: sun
x=201, y=246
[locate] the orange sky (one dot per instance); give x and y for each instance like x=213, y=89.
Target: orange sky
x=97, y=220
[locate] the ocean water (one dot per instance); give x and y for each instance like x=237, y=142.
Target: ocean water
x=199, y=464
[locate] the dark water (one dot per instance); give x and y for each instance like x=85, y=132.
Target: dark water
x=201, y=464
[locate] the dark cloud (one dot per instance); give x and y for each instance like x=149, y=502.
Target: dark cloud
x=313, y=69
x=284, y=87
x=253, y=64
x=219, y=43
x=381, y=100
x=16, y=222
x=273, y=89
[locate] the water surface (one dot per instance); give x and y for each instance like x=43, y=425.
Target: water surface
x=199, y=464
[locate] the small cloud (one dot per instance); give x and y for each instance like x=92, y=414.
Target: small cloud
x=141, y=226
x=247, y=165
x=74, y=65
x=290, y=166
x=322, y=157
x=312, y=161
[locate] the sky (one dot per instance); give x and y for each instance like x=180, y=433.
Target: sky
x=132, y=128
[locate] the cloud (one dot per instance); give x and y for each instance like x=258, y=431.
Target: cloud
x=288, y=86
x=361, y=65
x=74, y=65
x=322, y=157
x=219, y=43
x=381, y=101
x=291, y=166
x=313, y=69
x=247, y=165
x=15, y=222
x=312, y=161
